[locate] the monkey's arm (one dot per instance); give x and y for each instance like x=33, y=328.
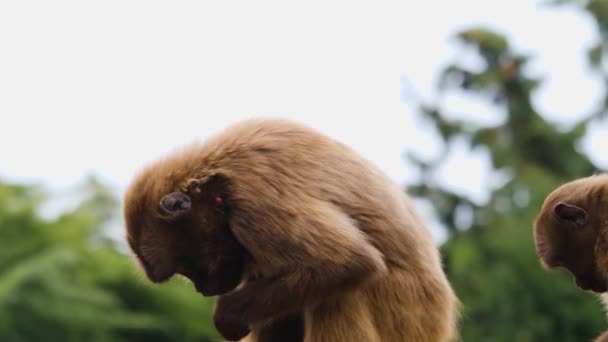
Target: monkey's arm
x=318, y=251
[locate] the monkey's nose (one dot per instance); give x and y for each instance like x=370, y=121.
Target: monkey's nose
x=156, y=274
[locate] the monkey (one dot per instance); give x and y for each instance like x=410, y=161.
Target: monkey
x=299, y=237
x=571, y=232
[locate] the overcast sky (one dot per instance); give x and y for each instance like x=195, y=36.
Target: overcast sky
x=105, y=87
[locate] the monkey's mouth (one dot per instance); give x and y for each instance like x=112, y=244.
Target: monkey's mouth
x=591, y=283
x=226, y=278
x=209, y=284
x=205, y=289
x=201, y=282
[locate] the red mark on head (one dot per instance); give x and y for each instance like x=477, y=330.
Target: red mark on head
x=219, y=200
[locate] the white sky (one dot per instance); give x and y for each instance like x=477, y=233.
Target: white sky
x=106, y=86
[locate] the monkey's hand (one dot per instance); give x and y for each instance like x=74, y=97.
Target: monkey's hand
x=228, y=321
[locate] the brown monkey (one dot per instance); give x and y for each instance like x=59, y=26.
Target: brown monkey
x=571, y=231
x=290, y=227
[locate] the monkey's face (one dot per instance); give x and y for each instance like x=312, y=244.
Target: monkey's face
x=188, y=235
x=566, y=236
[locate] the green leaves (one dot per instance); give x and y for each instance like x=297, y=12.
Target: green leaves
x=492, y=263
x=60, y=281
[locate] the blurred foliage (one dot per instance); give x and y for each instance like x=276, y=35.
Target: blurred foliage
x=597, y=10
x=61, y=280
x=490, y=258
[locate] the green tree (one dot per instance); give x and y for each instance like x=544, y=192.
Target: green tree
x=61, y=280
x=490, y=258
x=597, y=10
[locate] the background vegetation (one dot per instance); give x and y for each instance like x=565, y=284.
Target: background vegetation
x=490, y=257
x=62, y=280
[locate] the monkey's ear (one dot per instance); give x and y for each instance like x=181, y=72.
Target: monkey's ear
x=570, y=214
x=209, y=187
x=176, y=204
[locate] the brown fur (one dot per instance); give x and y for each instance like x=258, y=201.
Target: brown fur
x=571, y=231
x=312, y=230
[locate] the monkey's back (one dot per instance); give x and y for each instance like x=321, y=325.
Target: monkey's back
x=281, y=163
x=285, y=160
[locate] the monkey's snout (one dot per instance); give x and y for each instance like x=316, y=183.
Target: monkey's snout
x=156, y=274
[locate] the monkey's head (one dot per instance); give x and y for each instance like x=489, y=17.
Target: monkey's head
x=570, y=230
x=177, y=224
